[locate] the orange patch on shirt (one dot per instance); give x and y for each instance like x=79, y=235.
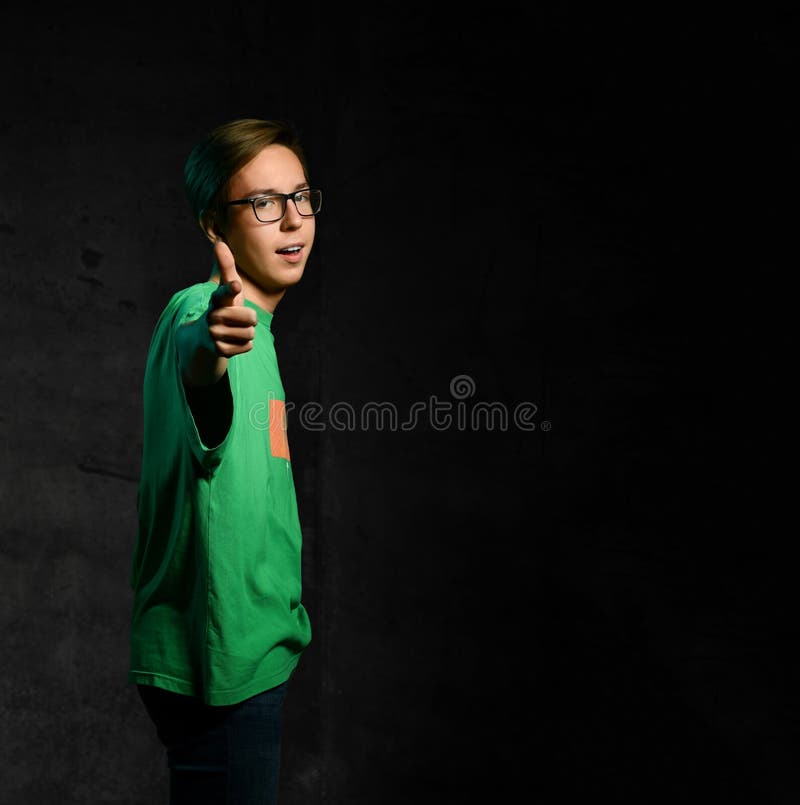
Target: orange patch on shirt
x=278, y=443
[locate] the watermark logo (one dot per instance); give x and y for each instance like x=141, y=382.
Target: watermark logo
x=460, y=413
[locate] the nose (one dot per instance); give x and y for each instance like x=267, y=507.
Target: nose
x=291, y=218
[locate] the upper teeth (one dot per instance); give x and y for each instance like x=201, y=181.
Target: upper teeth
x=291, y=249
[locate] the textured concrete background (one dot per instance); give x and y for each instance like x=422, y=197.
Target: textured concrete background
x=601, y=608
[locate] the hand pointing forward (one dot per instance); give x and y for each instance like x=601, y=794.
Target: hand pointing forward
x=231, y=324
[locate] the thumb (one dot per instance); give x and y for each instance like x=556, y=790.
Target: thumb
x=230, y=286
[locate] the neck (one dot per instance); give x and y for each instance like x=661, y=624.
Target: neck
x=268, y=300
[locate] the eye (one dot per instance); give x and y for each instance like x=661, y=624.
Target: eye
x=301, y=196
x=265, y=203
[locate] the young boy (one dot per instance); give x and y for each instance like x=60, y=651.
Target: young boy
x=218, y=625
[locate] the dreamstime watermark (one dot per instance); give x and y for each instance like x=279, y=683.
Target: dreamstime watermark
x=439, y=414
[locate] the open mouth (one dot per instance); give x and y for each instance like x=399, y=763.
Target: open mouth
x=290, y=250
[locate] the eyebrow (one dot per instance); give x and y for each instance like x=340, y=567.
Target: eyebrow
x=270, y=190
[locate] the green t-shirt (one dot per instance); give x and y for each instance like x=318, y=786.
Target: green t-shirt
x=216, y=570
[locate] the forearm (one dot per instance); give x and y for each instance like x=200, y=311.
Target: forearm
x=199, y=362
x=227, y=329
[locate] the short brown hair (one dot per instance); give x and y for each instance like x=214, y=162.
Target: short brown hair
x=225, y=150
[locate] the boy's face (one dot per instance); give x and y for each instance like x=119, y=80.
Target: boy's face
x=255, y=245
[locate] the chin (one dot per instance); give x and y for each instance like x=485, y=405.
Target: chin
x=296, y=274
x=287, y=278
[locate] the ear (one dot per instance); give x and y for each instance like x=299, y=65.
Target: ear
x=210, y=226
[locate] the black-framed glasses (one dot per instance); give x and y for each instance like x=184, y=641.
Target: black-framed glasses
x=273, y=207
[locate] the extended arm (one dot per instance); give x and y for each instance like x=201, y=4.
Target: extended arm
x=206, y=344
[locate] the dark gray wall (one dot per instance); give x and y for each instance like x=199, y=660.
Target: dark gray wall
x=601, y=608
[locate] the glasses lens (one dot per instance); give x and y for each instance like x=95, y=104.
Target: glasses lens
x=269, y=208
x=309, y=202
x=272, y=208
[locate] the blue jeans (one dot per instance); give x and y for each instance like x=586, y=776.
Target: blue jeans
x=227, y=755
